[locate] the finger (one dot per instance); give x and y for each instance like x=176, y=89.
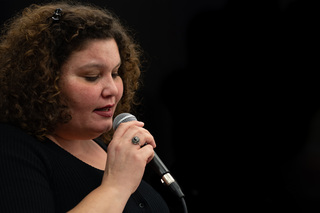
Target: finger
x=148, y=139
x=123, y=128
x=143, y=136
x=147, y=152
x=129, y=131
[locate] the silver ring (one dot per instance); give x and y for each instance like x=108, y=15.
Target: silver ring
x=135, y=140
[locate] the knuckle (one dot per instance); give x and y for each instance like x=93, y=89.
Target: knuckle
x=136, y=156
x=117, y=148
x=149, y=148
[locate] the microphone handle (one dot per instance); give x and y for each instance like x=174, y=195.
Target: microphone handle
x=158, y=166
x=156, y=163
x=166, y=178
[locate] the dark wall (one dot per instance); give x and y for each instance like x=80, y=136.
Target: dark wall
x=230, y=92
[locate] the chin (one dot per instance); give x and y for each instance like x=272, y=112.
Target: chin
x=104, y=128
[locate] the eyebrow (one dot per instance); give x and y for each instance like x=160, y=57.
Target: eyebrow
x=98, y=65
x=118, y=65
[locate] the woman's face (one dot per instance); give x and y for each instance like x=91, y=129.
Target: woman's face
x=92, y=88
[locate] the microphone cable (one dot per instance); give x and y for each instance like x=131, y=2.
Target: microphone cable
x=156, y=164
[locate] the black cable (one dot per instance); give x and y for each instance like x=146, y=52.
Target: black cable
x=184, y=205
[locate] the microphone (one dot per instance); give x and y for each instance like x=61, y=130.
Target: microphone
x=156, y=163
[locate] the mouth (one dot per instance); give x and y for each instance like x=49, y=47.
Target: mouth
x=105, y=111
x=105, y=108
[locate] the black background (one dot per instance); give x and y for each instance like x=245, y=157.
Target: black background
x=231, y=95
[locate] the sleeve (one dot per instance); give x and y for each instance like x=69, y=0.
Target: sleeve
x=24, y=185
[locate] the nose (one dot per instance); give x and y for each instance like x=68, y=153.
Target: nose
x=109, y=87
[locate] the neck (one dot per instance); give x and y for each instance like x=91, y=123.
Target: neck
x=73, y=146
x=86, y=150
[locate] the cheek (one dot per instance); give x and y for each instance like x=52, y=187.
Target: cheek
x=77, y=96
x=119, y=86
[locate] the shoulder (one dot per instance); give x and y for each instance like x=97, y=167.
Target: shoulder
x=25, y=171
x=18, y=147
x=10, y=133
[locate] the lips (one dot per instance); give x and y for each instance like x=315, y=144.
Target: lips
x=105, y=111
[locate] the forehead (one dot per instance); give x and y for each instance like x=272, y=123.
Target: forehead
x=103, y=53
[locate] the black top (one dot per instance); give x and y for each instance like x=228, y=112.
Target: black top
x=42, y=177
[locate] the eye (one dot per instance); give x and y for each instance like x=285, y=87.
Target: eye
x=115, y=74
x=91, y=78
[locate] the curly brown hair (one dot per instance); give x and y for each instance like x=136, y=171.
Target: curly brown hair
x=33, y=47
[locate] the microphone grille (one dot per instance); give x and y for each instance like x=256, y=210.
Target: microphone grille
x=122, y=118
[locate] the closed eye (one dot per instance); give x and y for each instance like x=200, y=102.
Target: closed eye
x=115, y=74
x=91, y=78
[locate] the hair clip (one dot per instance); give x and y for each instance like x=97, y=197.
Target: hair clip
x=57, y=14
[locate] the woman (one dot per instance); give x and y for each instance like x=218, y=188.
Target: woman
x=65, y=71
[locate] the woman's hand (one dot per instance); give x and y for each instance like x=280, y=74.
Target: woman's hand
x=125, y=161
x=125, y=166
